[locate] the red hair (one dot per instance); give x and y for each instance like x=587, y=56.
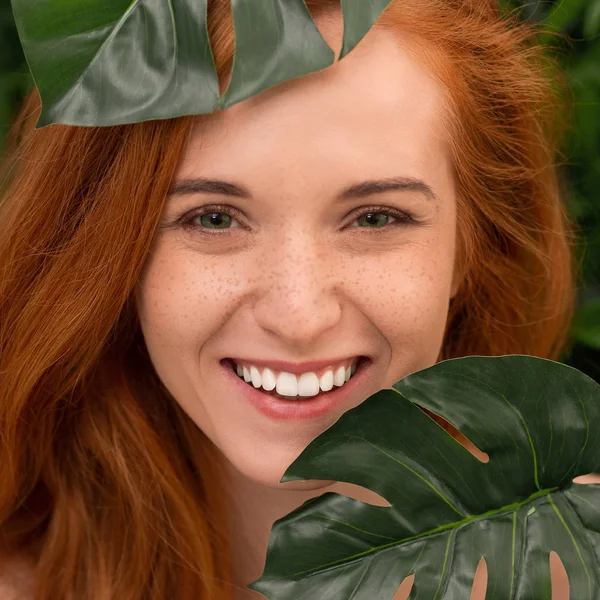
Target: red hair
x=107, y=486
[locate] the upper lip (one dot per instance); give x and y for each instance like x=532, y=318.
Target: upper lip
x=296, y=368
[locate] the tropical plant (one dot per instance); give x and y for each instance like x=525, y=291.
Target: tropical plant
x=535, y=419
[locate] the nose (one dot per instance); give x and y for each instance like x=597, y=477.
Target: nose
x=299, y=299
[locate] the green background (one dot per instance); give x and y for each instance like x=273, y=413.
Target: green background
x=579, y=53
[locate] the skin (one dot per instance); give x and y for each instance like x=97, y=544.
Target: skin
x=296, y=276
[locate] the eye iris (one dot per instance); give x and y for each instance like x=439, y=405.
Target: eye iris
x=217, y=219
x=374, y=221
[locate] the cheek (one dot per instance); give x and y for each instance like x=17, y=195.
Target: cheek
x=407, y=300
x=413, y=294
x=179, y=309
x=182, y=298
x=411, y=284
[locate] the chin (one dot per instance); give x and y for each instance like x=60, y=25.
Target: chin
x=270, y=476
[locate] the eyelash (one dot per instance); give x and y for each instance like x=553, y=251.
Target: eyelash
x=403, y=218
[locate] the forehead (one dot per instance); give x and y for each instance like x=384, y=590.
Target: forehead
x=376, y=104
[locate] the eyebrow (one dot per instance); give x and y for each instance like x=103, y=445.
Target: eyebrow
x=359, y=190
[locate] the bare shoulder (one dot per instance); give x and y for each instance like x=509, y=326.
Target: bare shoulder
x=16, y=577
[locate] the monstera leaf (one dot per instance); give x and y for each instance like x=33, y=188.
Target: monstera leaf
x=539, y=423
x=110, y=62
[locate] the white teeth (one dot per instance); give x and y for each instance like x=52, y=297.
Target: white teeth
x=269, y=381
x=326, y=381
x=256, y=379
x=287, y=384
x=308, y=385
x=340, y=376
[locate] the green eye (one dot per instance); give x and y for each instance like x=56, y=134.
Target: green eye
x=215, y=220
x=371, y=218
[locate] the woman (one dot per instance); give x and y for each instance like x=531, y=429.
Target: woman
x=402, y=206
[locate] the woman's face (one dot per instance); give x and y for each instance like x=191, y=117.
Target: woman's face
x=296, y=271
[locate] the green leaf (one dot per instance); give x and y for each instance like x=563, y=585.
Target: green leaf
x=359, y=17
x=109, y=62
x=264, y=57
x=586, y=325
x=538, y=420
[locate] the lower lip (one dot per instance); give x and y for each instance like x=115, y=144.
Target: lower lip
x=307, y=408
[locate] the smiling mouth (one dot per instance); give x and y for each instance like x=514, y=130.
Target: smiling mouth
x=361, y=363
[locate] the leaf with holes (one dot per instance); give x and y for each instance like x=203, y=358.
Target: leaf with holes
x=110, y=62
x=538, y=421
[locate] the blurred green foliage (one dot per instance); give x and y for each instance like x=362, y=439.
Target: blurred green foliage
x=15, y=80
x=578, y=52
